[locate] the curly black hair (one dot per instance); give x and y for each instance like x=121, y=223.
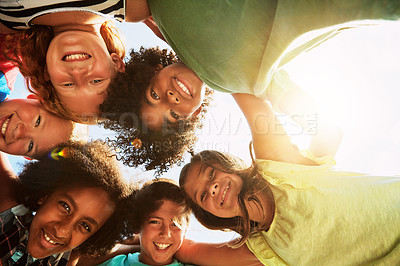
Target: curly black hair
x=160, y=149
x=150, y=198
x=78, y=164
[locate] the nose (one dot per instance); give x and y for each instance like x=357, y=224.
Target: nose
x=77, y=71
x=165, y=231
x=63, y=229
x=173, y=97
x=214, y=188
x=20, y=131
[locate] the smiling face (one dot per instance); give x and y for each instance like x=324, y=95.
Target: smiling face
x=213, y=190
x=27, y=129
x=162, y=234
x=80, y=69
x=175, y=92
x=67, y=218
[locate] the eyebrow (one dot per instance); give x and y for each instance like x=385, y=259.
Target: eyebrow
x=73, y=203
x=201, y=170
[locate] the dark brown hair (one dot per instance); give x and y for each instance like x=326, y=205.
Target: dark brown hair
x=160, y=149
x=77, y=164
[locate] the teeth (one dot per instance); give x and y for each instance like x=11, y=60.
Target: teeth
x=223, y=196
x=49, y=240
x=162, y=246
x=183, y=87
x=72, y=57
x=4, y=127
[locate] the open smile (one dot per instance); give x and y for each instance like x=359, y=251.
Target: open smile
x=183, y=87
x=72, y=57
x=161, y=246
x=49, y=241
x=5, y=126
x=224, y=194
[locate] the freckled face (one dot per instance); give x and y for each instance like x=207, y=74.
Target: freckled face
x=213, y=190
x=67, y=218
x=161, y=236
x=80, y=69
x=175, y=92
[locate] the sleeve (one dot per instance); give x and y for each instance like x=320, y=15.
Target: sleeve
x=8, y=73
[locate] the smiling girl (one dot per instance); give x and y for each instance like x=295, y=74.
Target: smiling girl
x=68, y=53
x=289, y=208
x=159, y=101
x=65, y=191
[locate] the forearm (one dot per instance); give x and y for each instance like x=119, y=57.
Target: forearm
x=215, y=254
x=136, y=10
x=269, y=136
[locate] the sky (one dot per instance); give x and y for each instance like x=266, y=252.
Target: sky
x=353, y=77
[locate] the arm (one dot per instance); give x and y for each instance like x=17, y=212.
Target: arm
x=77, y=259
x=326, y=136
x=137, y=10
x=215, y=254
x=269, y=137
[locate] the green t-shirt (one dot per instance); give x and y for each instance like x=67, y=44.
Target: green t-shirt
x=241, y=45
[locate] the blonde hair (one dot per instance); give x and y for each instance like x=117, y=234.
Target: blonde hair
x=28, y=49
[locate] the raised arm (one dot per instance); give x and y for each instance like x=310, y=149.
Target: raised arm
x=270, y=140
x=215, y=254
x=136, y=10
x=326, y=135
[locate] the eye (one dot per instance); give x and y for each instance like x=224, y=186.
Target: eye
x=202, y=196
x=68, y=84
x=96, y=81
x=65, y=206
x=154, y=95
x=86, y=226
x=37, y=122
x=211, y=175
x=30, y=147
x=154, y=222
x=174, y=115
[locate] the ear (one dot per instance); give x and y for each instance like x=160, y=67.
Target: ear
x=32, y=97
x=119, y=64
x=197, y=112
x=158, y=68
x=41, y=200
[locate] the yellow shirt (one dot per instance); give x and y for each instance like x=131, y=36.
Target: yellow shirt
x=329, y=217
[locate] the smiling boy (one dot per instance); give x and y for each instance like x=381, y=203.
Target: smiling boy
x=161, y=217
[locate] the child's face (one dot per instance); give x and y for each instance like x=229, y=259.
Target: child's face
x=161, y=236
x=214, y=191
x=80, y=69
x=27, y=129
x=67, y=218
x=175, y=92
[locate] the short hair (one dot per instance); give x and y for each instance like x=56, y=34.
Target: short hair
x=77, y=164
x=28, y=48
x=160, y=148
x=150, y=198
x=252, y=183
